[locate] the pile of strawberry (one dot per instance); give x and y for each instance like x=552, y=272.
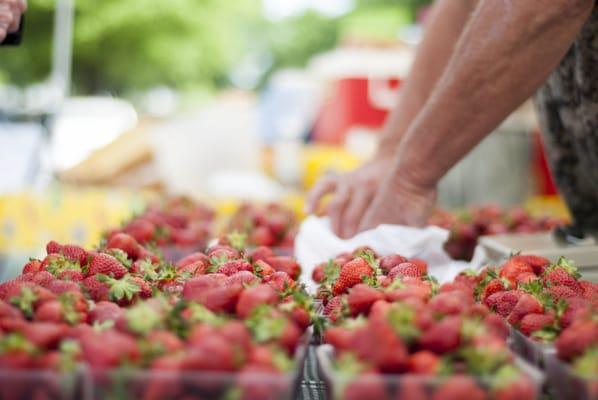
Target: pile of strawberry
x=120, y=305
x=536, y=297
x=177, y=221
x=265, y=225
x=397, y=334
x=468, y=225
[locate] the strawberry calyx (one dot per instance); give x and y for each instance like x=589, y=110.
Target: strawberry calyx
x=237, y=240
x=505, y=376
x=142, y=319
x=282, y=362
x=401, y=318
x=16, y=343
x=199, y=313
x=586, y=366
x=70, y=352
x=120, y=256
x=217, y=262
x=25, y=301
x=69, y=314
x=567, y=265
x=120, y=289
x=263, y=326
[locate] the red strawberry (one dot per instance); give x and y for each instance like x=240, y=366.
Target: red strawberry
x=351, y=274
x=368, y=384
x=32, y=266
x=525, y=278
x=141, y=229
x=577, y=338
x=226, y=252
x=451, y=303
x=496, y=325
x=250, y=388
x=260, y=253
x=513, y=268
x=318, y=274
x=97, y=291
x=280, y=281
x=561, y=292
x=389, y=354
x=43, y=278
x=107, y=265
x=254, y=296
x=589, y=289
x=220, y=298
x=520, y=389
x=75, y=253
x=424, y=362
x=262, y=268
x=202, y=282
x=145, y=290
x=423, y=266
x=559, y=276
x=537, y=263
x=53, y=247
x=243, y=278
x=495, y=285
x=262, y=236
x=233, y=266
x=59, y=287
x=577, y=308
x=105, y=311
x=443, y=336
x=124, y=242
x=71, y=275
x=527, y=304
x=412, y=389
x=405, y=269
x=361, y=297
x=285, y=264
x=459, y=387
x=387, y=263
x=214, y=353
x=9, y=311
x=503, y=302
x=167, y=341
x=531, y=323
x=334, y=309
x=338, y=336
x=45, y=335
x=108, y=349
x=192, y=259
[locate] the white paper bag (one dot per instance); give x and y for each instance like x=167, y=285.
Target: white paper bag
x=316, y=243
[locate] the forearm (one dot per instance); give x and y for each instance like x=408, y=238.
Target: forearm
x=507, y=51
x=446, y=22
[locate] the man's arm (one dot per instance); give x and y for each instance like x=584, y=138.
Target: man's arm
x=353, y=192
x=443, y=28
x=507, y=51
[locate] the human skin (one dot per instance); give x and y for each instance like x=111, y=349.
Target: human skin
x=353, y=192
x=506, y=52
x=11, y=12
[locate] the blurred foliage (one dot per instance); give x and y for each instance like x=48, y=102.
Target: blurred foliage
x=136, y=44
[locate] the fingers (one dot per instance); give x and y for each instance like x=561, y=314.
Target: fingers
x=17, y=7
x=323, y=187
x=22, y=6
x=336, y=208
x=354, y=212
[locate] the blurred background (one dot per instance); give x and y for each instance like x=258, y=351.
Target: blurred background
x=109, y=104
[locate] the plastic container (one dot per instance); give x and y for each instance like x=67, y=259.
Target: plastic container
x=564, y=384
x=398, y=386
x=158, y=385
x=41, y=384
x=532, y=351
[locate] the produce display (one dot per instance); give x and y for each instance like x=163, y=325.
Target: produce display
x=468, y=225
x=122, y=315
x=397, y=334
x=265, y=225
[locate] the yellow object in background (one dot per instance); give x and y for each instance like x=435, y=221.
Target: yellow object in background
x=321, y=160
x=547, y=205
x=28, y=220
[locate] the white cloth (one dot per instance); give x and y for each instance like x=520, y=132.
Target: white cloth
x=316, y=243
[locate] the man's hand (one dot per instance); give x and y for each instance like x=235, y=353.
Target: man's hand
x=353, y=193
x=400, y=201
x=11, y=12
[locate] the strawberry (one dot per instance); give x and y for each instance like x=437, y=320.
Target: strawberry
x=405, y=269
x=105, y=264
x=361, y=297
x=514, y=387
x=233, y=266
x=145, y=290
x=32, y=266
x=250, y=388
x=126, y=290
x=495, y=285
x=9, y=311
x=577, y=308
x=124, y=242
x=221, y=298
x=496, y=325
x=533, y=322
x=254, y=296
x=262, y=236
x=459, y=387
x=424, y=362
x=259, y=253
x=561, y=292
x=387, y=263
x=285, y=264
x=527, y=304
x=503, y=302
x=223, y=252
x=43, y=278
x=53, y=247
x=451, y=303
x=389, y=354
x=589, y=289
x=214, y=353
x=443, y=336
x=335, y=308
x=28, y=298
x=368, y=384
x=167, y=341
x=201, y=283
x=411, y=389
x=578, y=337
x=44, y=335
x=338, y=336
x=192, y=259
x=525, y=278
x=280, y=281
x=262, y=268
x=560, y=277
x=318, y=275
x=141, y=229
x=71, y=275
x=74, y=253
x=105, y=311
x=421, y=264
x=108, y=349
x=97, y=291
x=351, y=274
x=513, y=268
x=537, y=263
x=242, y=277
